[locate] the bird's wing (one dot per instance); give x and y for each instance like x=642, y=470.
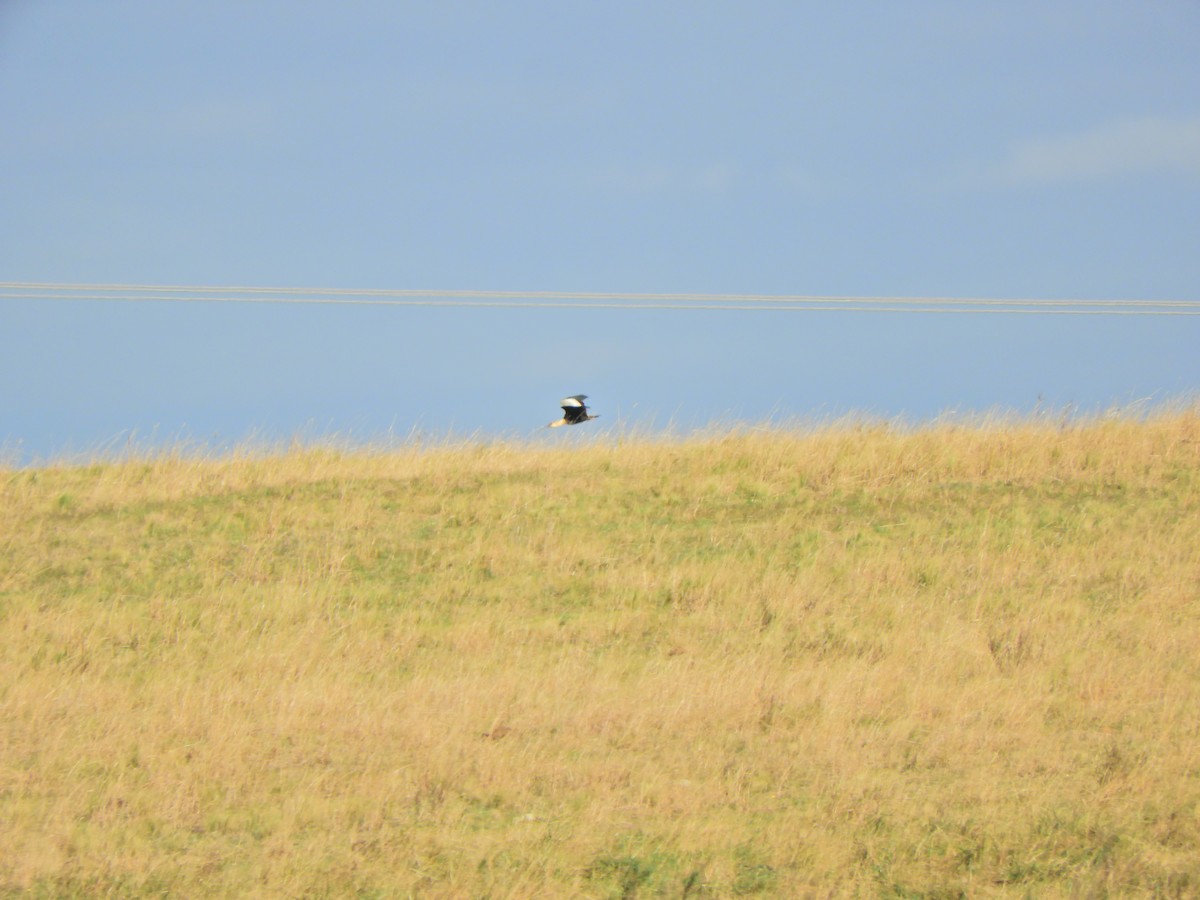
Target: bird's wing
x=573, y=402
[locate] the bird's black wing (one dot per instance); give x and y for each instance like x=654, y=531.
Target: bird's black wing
x=574, y=409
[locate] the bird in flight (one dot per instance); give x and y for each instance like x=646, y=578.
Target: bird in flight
x=574, y=411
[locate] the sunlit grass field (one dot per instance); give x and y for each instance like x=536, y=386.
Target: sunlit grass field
x=855, y=659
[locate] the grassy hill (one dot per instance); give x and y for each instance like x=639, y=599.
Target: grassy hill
x=861, y=660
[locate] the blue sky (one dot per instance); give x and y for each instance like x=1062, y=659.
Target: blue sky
x=971, y=149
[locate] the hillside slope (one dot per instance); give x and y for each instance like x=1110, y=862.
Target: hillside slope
x=860, y=660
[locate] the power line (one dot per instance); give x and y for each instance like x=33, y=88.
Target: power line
x=127, y=293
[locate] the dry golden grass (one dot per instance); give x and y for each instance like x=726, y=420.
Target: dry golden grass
x=857, y=660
